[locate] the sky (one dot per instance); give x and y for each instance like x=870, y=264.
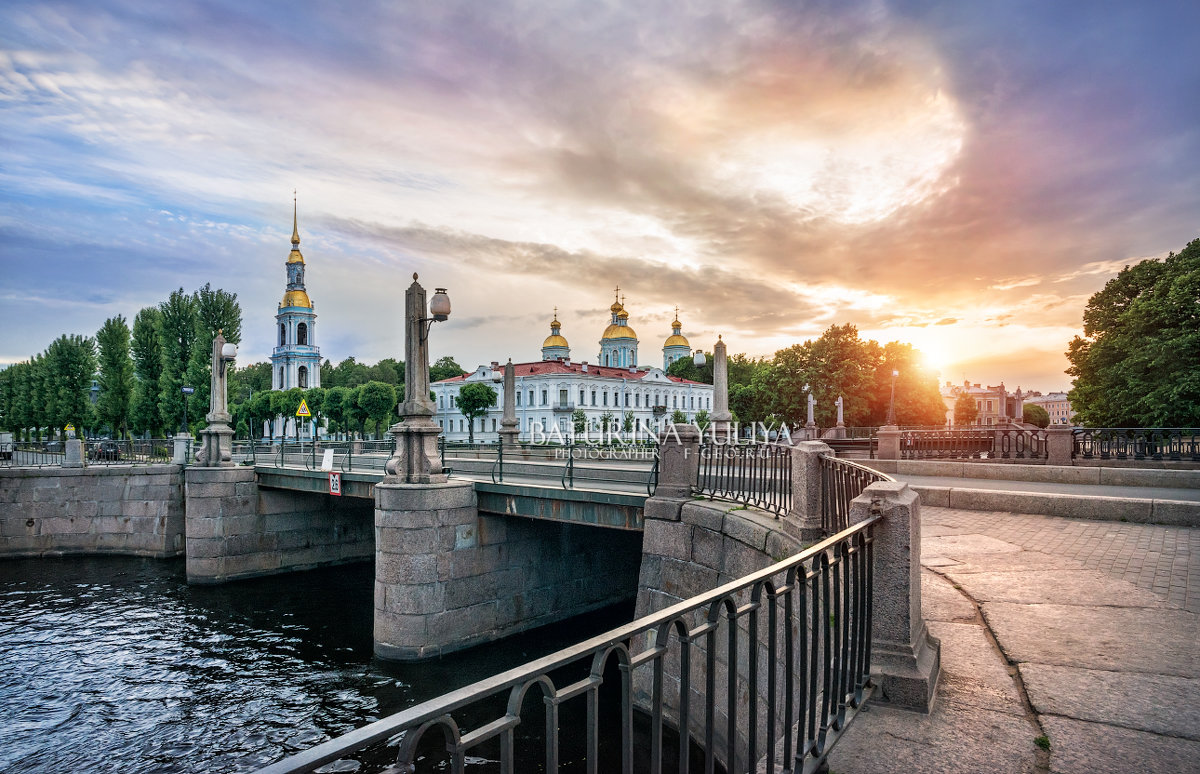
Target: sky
x=961, y=176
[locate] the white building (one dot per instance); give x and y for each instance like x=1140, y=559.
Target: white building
x=550, y=390
x=1057, y=405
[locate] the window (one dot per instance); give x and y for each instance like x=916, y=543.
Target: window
x=604, y=396
x=637, y=400
x=593, y=397
x=441, y=401
x=282, y=335
x=518, y=397
x=302, y=334
x=303, y=376
x=562, y=397
x=582, y=400
x=543, y=397
x=626, y=400
x=692, y=400
x=531, y=397
x=281, y=377
x=990, y=405
x=493, y=424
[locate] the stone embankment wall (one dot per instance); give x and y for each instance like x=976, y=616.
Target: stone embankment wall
x=235, y=529
x=119, y=509
x=447, y=578
x=691, y=548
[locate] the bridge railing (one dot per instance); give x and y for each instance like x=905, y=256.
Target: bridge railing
x=841, y=482
x=773, y=668
x=154, y=451
x=755, y=474
x=982, y=443
x=1176, y=444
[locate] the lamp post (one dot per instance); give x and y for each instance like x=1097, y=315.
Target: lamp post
x=416, y=459
x=216, y=440
x=891, y=415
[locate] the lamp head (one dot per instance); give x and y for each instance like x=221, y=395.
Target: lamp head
x=699, y=359
x=895, y=374
x=229, y=351
x=439, y=305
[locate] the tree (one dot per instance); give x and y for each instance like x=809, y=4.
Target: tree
x=146, y=349
x=70, y=363
x=444, y=368
x=215, y=311
x=377, y=400
x=474, y=400
x=678, y=417
x=702, y=420
x=918, y=399
x=335, y=407
x=966, y=410
x=627, y=422
x=177, y=335
x=608, y=421
x=389, y=371
x=315, y=398
x=1035, y=415
x=1138, y=361
x=684, y=368
x=284, y=404
x=116, y=375
x=579, y=420
x=261, y=410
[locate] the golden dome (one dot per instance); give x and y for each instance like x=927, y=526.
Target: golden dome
x=296, y=298
x=676, y=340
x=554, y=341
x=615, y=331
x=294, y=256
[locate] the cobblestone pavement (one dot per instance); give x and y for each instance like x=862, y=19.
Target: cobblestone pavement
x=1161, y=559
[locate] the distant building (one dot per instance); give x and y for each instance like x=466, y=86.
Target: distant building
x=296, y=359
x=996, y=406
x=550, y=390
x=1057, y=405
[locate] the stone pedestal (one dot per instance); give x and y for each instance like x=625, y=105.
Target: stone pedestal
x=216, y=444
x=220, y=505
x=905, y=659
x=73, y=457
x=806, y=489
x=179, y=455
x=679, y=459
x=889, y=443
x=1060, y=445
x=416, y=459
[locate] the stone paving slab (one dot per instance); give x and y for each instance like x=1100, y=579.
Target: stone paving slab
x=1129, y=639
x=958, y=546
x=1064, y=587
x=1161, y=704
x=973, y=674
x=1080, y=747
x=940, y=601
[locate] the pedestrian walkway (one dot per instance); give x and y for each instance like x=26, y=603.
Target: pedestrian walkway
x=1047, y=487
x=1067, y=646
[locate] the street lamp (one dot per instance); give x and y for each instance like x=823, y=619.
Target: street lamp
x=187, y=396
x=699, y=360
x=439, y=311
x=228, y=354
x=891, y=415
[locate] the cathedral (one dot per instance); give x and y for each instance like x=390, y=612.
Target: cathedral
x=296, y=359
x=615, y=388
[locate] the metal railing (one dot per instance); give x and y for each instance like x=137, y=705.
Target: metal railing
x=841, y=482
x=154, y=451
x=1176, y=444
x=809, y=615
x=756, y=474
x=996, y=443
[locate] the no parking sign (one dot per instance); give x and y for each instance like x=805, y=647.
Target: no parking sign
x=335, y=484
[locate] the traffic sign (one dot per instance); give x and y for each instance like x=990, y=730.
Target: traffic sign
x=303, y=410
x=70, y=428
x=335, y=484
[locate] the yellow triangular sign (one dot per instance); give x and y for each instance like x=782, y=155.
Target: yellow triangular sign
x=303, y=410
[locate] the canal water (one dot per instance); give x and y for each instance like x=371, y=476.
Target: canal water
x=115, y=664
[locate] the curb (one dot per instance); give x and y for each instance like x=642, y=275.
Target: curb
x=1176, y=513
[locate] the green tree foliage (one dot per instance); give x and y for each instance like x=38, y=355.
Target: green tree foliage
x=69, y=365
x=627, y=422
x=260, y=410
x=918, y=399
x=215, y=310
x=579, y=420
x=685, y=368
x=146, y=349
x=116, y=375
x=444, y=368
x=474, y=400
x=284, y=403
x=1138, y=361
x=608, y=421
x=966, y=410
x=335, y=408
x=315, y=398
x=348, y=373
x=377, y=400
x=678, y=417
x=177, y=334
x=389, y=371
x=1035, y=415
x=702, y=420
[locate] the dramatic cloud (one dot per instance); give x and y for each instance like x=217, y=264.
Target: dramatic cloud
x=961, y=176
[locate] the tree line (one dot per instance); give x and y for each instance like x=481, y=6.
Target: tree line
x=770, y=390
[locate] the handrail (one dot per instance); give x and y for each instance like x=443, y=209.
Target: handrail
x=841, y=481
x=820, y=610
x=1175, y=444
x=756, y=474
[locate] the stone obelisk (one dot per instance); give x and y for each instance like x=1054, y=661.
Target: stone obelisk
x=721, y=417
x=508, y=422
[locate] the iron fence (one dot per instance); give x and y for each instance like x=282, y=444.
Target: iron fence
x=769, y=669
x=1175, y=444
x=982, y=443
x=841, y=482
x=154, y=451
x=756, y=474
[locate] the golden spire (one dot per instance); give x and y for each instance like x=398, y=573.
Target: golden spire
x=295, y=227
x=675, y=323
x=555, y=315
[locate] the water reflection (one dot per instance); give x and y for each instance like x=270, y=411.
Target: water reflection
x=116, y=664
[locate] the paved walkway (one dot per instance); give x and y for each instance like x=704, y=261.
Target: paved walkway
x=1045, y=487
x=1081, y=632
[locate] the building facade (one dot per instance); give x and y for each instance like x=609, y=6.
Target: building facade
x=296, y=358
x=549, y=391
x=1057, y=405
x=994, y=404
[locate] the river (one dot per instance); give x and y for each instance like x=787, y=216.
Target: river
x=115, y=664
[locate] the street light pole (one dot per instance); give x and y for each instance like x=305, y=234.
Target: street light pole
x=891, y=415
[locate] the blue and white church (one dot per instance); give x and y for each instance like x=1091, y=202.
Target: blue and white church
x=296, y=359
